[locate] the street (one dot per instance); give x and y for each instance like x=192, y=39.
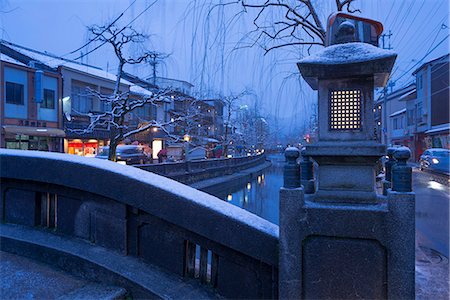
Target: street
x=432, y=212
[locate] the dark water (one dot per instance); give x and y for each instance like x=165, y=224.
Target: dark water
x=260, y=194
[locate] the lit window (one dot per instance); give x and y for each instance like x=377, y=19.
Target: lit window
x=345, y=110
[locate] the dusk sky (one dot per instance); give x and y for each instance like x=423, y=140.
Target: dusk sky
x=200, y=40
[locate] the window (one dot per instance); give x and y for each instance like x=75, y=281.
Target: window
x=419, y=112
x=146, y=112
x=81, y=100
x=410, y=115
x=49, y=99
x=345, y=110
x=398, y=122
x=14, y=93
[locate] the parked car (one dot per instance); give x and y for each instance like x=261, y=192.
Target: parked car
x=130, y=154
x=196, y=153
x=436, y=159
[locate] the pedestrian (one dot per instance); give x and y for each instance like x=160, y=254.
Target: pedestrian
x=162, y=155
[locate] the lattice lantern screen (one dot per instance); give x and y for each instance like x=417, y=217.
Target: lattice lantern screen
x=345, y=110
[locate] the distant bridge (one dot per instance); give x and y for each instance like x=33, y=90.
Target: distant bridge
x=127, y=227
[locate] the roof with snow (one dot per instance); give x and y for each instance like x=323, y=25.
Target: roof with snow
x=53, y=61
x=135, y=89
x=9, y=59
x=440, y=59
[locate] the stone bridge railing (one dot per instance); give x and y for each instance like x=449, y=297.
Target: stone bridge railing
x=190, y=237
x=193, y=171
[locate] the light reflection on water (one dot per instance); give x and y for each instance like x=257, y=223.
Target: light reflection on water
x=260, y=195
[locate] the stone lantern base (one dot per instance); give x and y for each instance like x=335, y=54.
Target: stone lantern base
x=346, y=172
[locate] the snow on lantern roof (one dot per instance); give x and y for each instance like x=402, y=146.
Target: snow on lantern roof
x=348, y=53
x=348, y=60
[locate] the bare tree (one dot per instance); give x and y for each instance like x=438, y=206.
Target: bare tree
x=282, y=23
x=231, y=108
x=120, y=104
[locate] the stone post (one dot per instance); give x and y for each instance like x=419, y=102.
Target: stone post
x=306, y=167
x=388, y=170
x=291, y=203
x=401, y=228
x=401, y=172
x=291, y=168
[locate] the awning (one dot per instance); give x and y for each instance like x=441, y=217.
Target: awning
x=407, y=94
x=439, y=128
x=34, y=131
x=210, y=140
x=398, y=113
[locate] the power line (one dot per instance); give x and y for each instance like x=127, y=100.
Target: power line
x=417, y=50
x=109, y=26
x=90, y=51
x=90, y=41
x=405, y=15
x=421, y=60
x=409, y=27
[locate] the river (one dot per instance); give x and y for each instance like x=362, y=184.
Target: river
x=261, y=194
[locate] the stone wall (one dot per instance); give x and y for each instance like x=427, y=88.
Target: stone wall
x=167, y=225
x=194, y=171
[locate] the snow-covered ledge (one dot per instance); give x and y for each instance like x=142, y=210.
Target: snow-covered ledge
x=139, y=213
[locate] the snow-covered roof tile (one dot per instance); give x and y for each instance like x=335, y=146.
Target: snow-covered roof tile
x=136, y=89
x=6, y=58
x=347, y=53
x=54, y=61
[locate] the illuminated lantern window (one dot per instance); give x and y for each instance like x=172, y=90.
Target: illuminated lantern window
x=345, y=110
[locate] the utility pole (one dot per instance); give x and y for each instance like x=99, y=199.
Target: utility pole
x=155, y=59
x=384, y=108
x=153, y=64
x=386, y=35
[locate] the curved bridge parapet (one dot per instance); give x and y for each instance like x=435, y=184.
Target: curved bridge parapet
x=190, y=172
x=193, y=236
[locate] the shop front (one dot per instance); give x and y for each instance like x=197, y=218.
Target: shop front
x=32, y=138
x=83, y=147
x=438, y=137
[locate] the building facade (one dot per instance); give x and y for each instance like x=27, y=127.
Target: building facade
x=30, y=104
x=417, y=116
x=432, y=105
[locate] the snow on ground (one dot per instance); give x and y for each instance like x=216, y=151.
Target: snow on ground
x=163, y=183
x=347, y=53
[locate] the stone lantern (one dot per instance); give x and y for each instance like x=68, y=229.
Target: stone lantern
x=345, y=76
x=344, y=240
